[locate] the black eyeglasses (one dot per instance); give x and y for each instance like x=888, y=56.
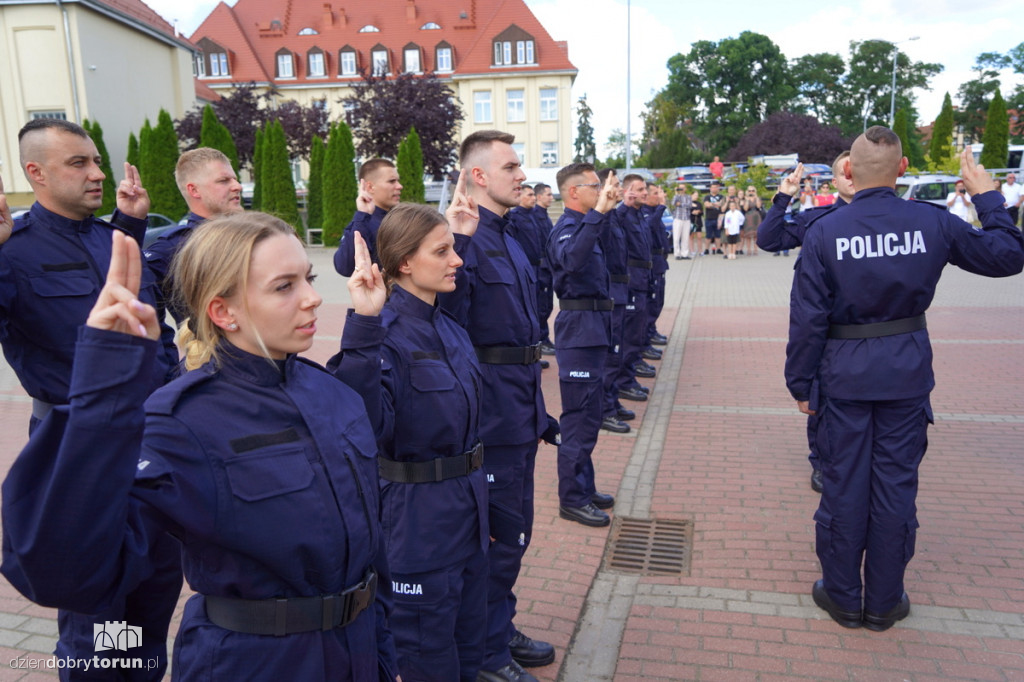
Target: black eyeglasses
x=589, y=184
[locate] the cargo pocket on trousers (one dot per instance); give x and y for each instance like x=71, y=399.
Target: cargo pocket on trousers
x=422, y=618
x=823, y=533
x=910, y=540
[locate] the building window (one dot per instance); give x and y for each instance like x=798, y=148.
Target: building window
x=444, y=59
x=502, y=52
x=520, y=149
x=380, y=62
x=549, y=153
x=369, y=28
x=412, y=59
x=219, y=65
x=55, y=115
x=430, y=26
x=482, y=107
x=520, y=52
x=506, y=50
x=529, y=53
x=309, y=32
x=285, y=65
x=199, y=64
x=316, y=64
x=348, y=63
x=516, y=106
x=549, y=104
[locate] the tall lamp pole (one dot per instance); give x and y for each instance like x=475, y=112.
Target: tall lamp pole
x=629, y=145
x=892, y=98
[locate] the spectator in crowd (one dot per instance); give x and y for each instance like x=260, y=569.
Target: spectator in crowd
x=682, y=204
x=1013, y=195
x=958, y=202
x=753, y=212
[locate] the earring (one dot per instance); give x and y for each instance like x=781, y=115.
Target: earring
x=233, y=327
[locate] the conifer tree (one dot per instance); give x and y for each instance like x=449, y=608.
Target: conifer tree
x=133, y=150
x=997, y=134
x=314, y=197
x=215, y=135
x=339, y=183
x=159, y=157
x=109, y=186
x=279, y=190
x=942, y=134
x=257, y=170
x=144, y=134
x=410, y=168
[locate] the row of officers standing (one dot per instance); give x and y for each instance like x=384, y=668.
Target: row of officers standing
x=350, y=529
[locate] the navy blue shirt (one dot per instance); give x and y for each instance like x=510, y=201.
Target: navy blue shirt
x=495, y=301
x=365, y=224
x=580, y=272
x=527, y=232
x=638, y=246
x=876, y=260
x=159, y=256
x=659, y=239
x=616, y=255
x=51, y=272
x=775, y=233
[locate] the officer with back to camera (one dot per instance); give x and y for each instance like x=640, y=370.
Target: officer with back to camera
x=860, y=358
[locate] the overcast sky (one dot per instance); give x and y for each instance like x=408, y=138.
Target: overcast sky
x=950, y=33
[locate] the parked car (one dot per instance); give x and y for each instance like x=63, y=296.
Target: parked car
x=819, y=173
x=931, y=188
x=158, y=224
x=698, y=177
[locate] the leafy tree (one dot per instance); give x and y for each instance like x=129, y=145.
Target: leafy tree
x=663, y=136
x=785, y=133
x=383, y=111
x=109, y=188
x=159, y=157
x=278, y=195
x=730, y=86
x=314, y=198
x=673, y=149
x=997, y=134
x=586, y=150
x=132, y=156
x=974, y=95
x=616, y=145
x=909, y=139
x=818, y=79
x=301, y=124
x=410, y=168
x=257, y=171
x=339, y=184
x=216, y=136
x=941, y=146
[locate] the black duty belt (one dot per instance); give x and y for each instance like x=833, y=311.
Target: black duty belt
x=505, y=355
x=586, y=304
x=440, y=469
x=619, y=279
x=868, y=331
x=645, y=264
x=280, y=617
x=658, y=252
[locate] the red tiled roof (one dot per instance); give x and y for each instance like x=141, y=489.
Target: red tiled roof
x=255, y=30
x=141, y=11
x=205, y=92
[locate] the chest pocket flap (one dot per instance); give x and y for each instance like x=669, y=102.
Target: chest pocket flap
x=431, y=377
x=60, y=284
x=496, y=271
x=266, y=473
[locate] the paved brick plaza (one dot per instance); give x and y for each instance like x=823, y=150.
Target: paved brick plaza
x=721, y=444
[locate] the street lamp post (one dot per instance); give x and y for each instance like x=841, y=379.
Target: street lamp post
x=892, y=98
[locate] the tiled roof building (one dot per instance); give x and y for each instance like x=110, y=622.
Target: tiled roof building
x=499, y=60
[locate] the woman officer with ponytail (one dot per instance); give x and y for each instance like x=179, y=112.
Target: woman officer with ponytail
x=433, y=491
x=259, y=462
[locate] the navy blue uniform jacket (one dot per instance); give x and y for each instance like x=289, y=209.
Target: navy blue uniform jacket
x=876, y=260
x=527, y=232
x=51, y=271
x=638, y=246
x=159, y=257
x=775, y=233
x=579, y=269
x=495, y=300
x=430, y=408
x=616, y=255
x=365, y=224
x=264, y=471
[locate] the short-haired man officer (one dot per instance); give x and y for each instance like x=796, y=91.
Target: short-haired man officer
x=495, y=300
x=859, y=356
x=53, y=264
x=210, y=186
x=545, y=296
x=379, y=192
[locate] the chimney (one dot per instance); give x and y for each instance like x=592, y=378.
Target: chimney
x=342, y=19
x=328, y=19
x=410, y=11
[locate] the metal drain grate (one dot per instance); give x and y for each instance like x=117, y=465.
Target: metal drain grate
x=650, y=546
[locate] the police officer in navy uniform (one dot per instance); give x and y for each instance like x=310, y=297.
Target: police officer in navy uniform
x=638, y=245
x=495, y=301
x=274, y=498
x=859, y=357
x=653, y=209
x=582, y=335
x=52, y=268
x=211, y=188
x=379, y=192
x=776, y=234
x=532, y=235
x=433, y=489
x=545, y=294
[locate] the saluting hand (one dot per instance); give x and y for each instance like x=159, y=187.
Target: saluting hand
x=6, y=221
x=132, y=198
x=976, y=179
x=366, y=285
x=462, y=213
x=364, y=201
x=791, y=183
x=118, y=307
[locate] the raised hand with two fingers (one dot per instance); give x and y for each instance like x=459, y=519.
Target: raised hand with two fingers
x=366, y=285
x=118, y=308
x=463, y=215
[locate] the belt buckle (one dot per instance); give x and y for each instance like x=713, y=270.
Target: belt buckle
x=535, y=354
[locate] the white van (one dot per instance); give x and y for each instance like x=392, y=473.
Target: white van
x=1014, y=162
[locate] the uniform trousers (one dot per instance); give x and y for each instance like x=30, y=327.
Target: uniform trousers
x=428, y=607
x=613, y=361
x=545, y=302
x=509, y=471
x=870, y=453
x=634, y=335
x=655, y=304
x=581, y=382
x=812, y=436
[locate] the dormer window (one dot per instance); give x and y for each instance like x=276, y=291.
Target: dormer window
x=316, y=63
x=199, y=65
x=379, y=59
x=285, y=64
x=443, y=57
x=430, y=26
x=213, y=61
x=309, y=32
x=514, y=47
x=369, y=28
x=411, y=58
x=347, y=61
x=219, y=64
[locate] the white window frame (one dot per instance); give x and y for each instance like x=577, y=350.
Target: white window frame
x=413, y=52
x=286, y=66
x=317, y=65
x=379, y=59
x=515, y=105
x=506, y=49
x=444, y=59
x=497, y=53
x=201, y=66
x=520, y=149
x=549, y=104
x=520, y=52
x=348, y=63
x=548, y=153
x=530, y=53
x=482, y=109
